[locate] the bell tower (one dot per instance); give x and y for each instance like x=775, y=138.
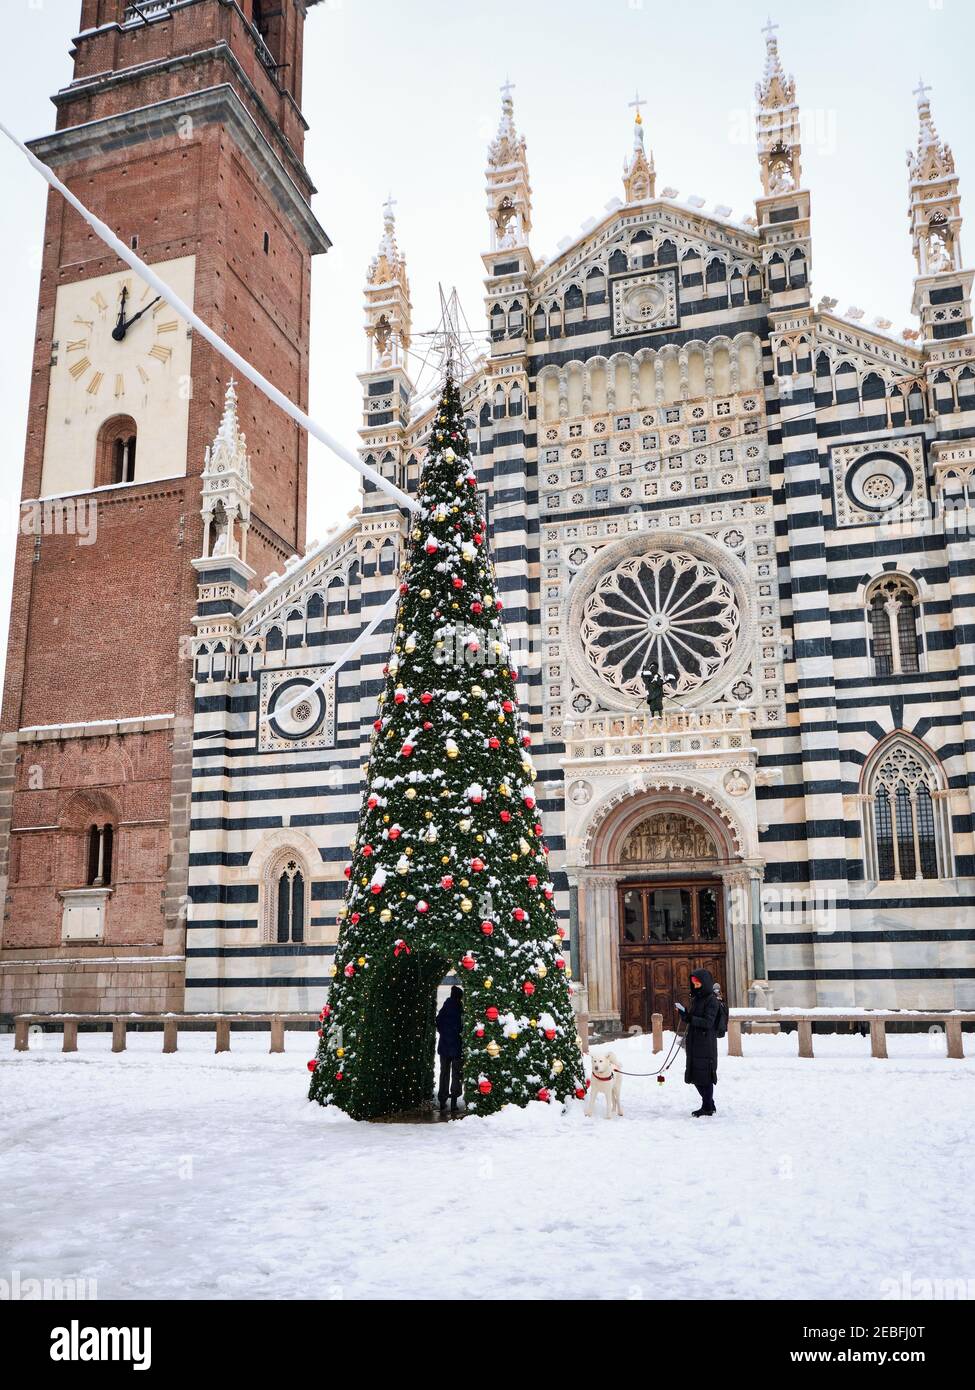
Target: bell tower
x=181, y=128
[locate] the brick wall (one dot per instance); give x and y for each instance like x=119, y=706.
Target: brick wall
x=96, y=630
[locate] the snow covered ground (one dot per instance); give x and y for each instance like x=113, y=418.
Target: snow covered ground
x=205, y=1176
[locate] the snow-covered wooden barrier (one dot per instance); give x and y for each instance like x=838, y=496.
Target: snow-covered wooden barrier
x=171, y=1024
x=950, y=1021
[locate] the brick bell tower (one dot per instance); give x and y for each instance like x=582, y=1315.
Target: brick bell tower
x=182, y=129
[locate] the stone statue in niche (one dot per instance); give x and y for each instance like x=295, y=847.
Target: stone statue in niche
x=667, y=837
x=383, y=333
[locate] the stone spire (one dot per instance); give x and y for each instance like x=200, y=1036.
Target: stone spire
x=226, y=497
x=933, y=158
x=942, y=287
x=777, y=122
x=639, y=174
x=508, y=190
x=387, y=298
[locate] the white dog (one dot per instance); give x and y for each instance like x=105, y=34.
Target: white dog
x=606, y=1081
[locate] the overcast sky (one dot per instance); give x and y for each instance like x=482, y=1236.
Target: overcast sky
x=402, y=96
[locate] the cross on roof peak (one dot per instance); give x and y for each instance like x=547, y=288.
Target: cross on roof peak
x=507, y=87
x=921, y=92
x=388, y=206
x=638, y=101
x=769, y=30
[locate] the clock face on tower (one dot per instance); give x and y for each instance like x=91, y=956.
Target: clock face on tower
x=120, y=366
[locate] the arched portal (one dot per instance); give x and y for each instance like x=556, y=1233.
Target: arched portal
x=666, y=885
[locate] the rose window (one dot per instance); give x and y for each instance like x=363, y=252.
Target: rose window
x=878, y=487
x=669, y=608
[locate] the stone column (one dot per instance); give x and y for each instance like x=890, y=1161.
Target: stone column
x=738, y=930
x=599, y=933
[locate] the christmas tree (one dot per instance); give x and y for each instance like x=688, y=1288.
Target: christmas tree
x=449, y=868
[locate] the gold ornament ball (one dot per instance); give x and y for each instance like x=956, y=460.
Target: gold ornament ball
x=385, y=915
x=542, y=971
x=333, y=970
x=410, y=793
x=492, y=1049
x=466, y=904
x=558, y=1066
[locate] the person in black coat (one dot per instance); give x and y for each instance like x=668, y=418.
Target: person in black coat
x=448, y=1047
x=701, y=1042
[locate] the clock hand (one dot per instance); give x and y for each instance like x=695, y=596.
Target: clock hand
x=118, y=332
x=127, y=324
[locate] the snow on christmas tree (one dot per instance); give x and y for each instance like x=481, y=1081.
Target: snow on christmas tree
x=449, y=869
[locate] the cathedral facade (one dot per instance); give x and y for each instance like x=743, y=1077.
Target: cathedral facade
x=685, y=463
x=688, y=468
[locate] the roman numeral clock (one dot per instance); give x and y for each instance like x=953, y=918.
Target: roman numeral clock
x=118, y=403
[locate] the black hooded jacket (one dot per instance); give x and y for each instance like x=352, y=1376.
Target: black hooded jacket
x=701, y=1046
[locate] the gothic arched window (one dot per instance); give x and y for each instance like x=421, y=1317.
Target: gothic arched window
x=907, y=832
x=289, y=902
x=115, y=451
x=892, y=615
x=100, y=845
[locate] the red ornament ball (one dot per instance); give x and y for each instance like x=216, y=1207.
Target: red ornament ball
x=519, y=914
x=528, y=987
x=487, y=928
x=491, y=1014
x=313, y=1064
x=458, y=582
x=395, y=832
x=350, y=970
x=425, y=698
x=543, y=1094
x=505, y=816
x=477, y=865
x=468, y=961
x=422, y=906
x=366, y=850
x=484, y=1086
x=447, y=881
